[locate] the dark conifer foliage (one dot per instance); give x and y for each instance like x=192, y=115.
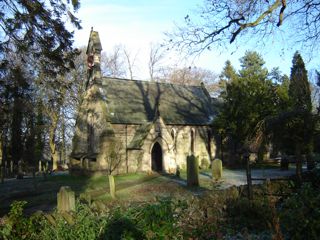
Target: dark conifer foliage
x=37, y=28
x=299, y=87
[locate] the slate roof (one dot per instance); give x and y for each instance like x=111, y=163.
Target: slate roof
x=137, y=102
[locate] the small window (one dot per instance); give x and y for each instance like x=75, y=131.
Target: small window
x=173, y=133
x=192, y=141
x=90, y=136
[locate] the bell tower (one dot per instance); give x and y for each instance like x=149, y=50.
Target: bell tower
x=93, y=57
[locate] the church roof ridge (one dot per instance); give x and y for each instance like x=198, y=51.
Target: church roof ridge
x=149, y=81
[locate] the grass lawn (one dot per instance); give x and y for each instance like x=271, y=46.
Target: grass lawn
x=41, y=194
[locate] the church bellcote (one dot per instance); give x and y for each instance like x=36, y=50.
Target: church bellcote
x=93, y=56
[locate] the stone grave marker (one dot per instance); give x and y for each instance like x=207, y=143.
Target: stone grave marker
x=216, y=169
x=192, y=171
x=66, y=200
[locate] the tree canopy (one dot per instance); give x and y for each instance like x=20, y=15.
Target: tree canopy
x=219, y=22
x=37, y=28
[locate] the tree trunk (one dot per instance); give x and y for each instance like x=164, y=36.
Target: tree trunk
x=298, y=162
x=52, y=143
x=63, y=144
x=1, y=162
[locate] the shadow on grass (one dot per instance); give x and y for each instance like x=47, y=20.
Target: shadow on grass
x=39, y=192
x=183, y=182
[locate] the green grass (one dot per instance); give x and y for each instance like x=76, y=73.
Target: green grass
x=42, y=193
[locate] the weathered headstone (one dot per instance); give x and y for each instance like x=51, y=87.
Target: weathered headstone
x=40, y=166
x=66, y=200
x=20, y=170
x=86, y=163
x=112, y=186
x=11, y=167
x=192, y=171
x=216, y=169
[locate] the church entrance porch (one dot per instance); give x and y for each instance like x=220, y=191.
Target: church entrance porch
x=156, y=158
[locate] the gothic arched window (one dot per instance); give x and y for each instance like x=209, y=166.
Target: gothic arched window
x=192, y=133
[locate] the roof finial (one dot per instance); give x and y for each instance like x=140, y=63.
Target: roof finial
x=91, y=29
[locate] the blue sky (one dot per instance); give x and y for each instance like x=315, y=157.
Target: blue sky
x=138, y=23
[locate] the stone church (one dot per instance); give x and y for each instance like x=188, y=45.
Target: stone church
x=132, y=125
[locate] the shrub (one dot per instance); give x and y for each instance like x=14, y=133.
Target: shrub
x=157, y=220
x=84, y=224
x=122, y=227
x=300, y=214
x=253, y=215
x=17, y=226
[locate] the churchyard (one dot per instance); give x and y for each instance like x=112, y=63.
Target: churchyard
x=151, y=205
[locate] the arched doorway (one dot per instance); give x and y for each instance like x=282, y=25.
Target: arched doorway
x=156, y=158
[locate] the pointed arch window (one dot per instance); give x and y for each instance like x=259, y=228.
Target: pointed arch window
x=173, y=133
x=192, y=136
x=90, y=129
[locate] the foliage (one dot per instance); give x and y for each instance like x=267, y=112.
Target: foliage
x=17, y=226
x=157, y=220
x=114, y=154
x=300, y=215
x=211, y=215
x=255, y=215
x=248, y=97
x=297, y=130
x=299, y=87
x=37, y=29
x=122, y=227
x=85, y=224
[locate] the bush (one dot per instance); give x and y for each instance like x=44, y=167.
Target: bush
x=84, y=224
x=157, y=220
x=122, y=227
x=300, y=214
x=253, y=215
x=17, y=226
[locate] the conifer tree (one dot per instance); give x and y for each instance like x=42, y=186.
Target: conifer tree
x=299, y=87
x=300, y=127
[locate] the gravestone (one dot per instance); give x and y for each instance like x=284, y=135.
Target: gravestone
x=216, y=169
x=40, y=166
x=112, y=186
x=66, y=200
x=20, y=170
x=192, y=171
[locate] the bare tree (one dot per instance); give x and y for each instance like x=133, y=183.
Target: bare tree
x=224, y=21
x=113, y=64
x=192, y=76
x=155, y=57
x=114, y=155
x=131, y=61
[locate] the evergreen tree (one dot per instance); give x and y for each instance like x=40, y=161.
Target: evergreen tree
x=18, y=92
x=252, y=66
x=299, y=87
x=247, y=100
x=300, y=127
x=228, y=73
x=37, y=28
